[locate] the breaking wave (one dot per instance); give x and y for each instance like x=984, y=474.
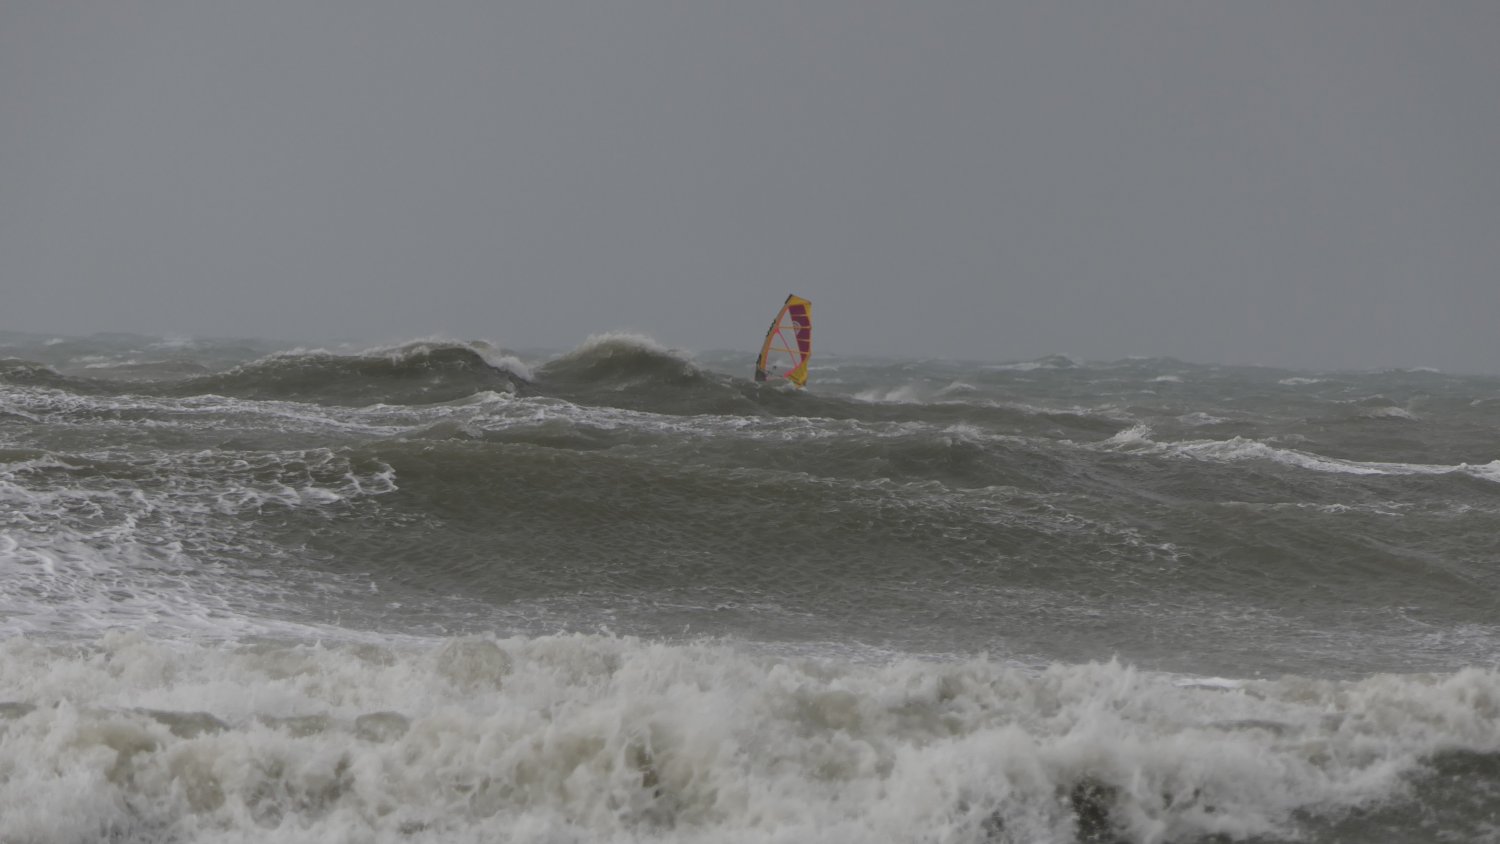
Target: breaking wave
x=423, y=372
x=597, y=738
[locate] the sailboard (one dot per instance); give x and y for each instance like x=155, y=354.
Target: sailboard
x=788, y=343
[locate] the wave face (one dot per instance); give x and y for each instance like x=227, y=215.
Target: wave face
x=444, y=592
x=416, y=373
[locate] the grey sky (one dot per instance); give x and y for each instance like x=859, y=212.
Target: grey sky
x=1313, y=184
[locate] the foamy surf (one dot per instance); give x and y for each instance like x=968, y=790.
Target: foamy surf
x=589, y=738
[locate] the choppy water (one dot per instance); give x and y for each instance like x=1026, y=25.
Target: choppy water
x=447, y=592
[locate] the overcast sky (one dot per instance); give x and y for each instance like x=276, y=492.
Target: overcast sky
x=1313, y=184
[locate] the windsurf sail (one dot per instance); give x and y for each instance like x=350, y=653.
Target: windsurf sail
x=788, y=343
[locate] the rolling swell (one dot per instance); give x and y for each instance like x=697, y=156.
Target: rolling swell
x=1042, y=519
x=660, y=542
x=417, y=373
x=636, y=373
x=27, y=373
x=726, y=542
x=677, y=496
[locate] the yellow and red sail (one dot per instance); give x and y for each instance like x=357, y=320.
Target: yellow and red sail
x=788, y=343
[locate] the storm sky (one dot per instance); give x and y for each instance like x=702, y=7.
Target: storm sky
x=1309, y=184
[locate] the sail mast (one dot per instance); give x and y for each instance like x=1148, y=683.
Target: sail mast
x=788, y=342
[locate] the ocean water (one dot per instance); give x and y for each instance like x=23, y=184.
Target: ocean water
x=447, y=592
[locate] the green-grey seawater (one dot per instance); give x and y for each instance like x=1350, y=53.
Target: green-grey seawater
x=624, y=593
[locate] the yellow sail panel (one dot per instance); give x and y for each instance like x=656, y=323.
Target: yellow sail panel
x=788, y=343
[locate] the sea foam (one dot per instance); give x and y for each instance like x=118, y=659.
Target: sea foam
x=596, y=738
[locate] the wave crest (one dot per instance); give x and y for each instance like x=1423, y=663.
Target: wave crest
x=619, y=360
x=28, y=373
x=421, y=372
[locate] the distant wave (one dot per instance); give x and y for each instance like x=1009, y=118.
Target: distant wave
x=1236, y=449
x=421, y=372
x=619, y=360
x=27, y=373
x=636, y=372
x=1048, y=362
x=1388, y=412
